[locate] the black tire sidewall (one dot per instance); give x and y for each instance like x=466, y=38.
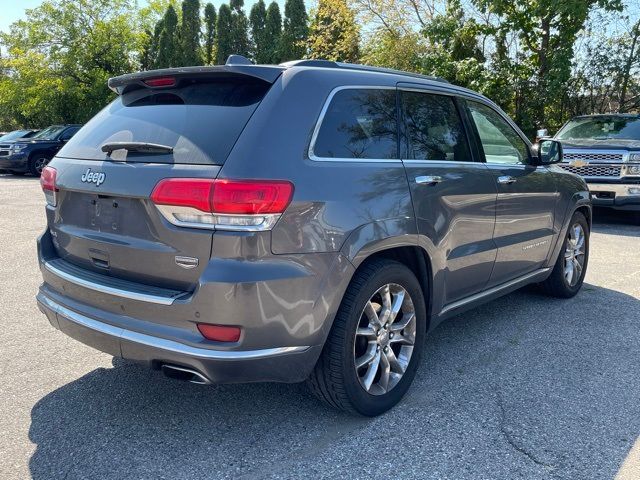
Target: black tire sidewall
x=363, y=402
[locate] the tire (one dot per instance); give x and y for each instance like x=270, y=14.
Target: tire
x=37, y=163
x=335, y=379
x=558, y=284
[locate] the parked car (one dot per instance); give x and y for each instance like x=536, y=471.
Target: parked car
x=308, y=221
x=30, y=155
x=16, y=134
x=605, y=151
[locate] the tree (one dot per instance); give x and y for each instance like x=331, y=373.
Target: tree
x=333, y=33
x=57, y=60
x=210, y=19
x=168, y=51
x=295, y=30
x=273, y=34
x=224, y=39
x=547, y=32
x=239, y=29
x=189, y=51
x=257, y=20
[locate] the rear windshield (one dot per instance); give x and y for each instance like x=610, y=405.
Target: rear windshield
x=201, y=121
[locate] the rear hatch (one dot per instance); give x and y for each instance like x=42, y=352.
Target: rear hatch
x=104, y=221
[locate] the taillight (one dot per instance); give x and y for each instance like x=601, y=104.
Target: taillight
x=161, y=82
x=219, y=333
x=222, y=204
x=48, y=184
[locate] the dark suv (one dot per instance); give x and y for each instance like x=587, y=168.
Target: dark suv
x=30, y=155
x=312, y=220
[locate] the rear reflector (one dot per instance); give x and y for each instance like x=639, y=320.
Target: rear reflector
x=160, y=82
x=224, y=204
x=48, y=184
x=219, y=333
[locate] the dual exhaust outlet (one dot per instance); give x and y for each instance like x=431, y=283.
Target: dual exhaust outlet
x=184, y=374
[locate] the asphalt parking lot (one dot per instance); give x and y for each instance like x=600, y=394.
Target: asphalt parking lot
x=523, y=387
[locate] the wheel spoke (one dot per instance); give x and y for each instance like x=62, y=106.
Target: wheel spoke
x=366, y=332
x=568, y=272
x=397, y=305
x=385, y=371
x=368, y=356
x=370, y=376
x=371, y=313
x=394, y=364
x=401, y=325
x=577, y=267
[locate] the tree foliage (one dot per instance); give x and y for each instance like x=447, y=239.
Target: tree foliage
x=257, y=22
x=190, y=50
x=210, y=20
x=168, y=42
x=273, y=34
x=295, y=30
x=224, y=40
x=59, y=57
x=333, y=33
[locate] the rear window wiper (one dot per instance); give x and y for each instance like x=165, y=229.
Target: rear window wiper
x=138, y=147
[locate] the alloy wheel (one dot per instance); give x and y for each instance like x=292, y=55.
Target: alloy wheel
x=385, y=338
x=574, y=255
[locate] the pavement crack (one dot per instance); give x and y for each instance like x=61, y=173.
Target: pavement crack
x=510, y=440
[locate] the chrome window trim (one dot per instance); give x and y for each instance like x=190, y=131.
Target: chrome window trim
x=162, y=343
x=323, y=112
x=444, y=89
x=118, y=292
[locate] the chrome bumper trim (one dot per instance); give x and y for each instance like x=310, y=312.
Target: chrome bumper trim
x=620, y=189
x=162, y=343
x=118, y=292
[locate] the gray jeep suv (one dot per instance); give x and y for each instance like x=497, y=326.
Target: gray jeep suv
x=307, y=221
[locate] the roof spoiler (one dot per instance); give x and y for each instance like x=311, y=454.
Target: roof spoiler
x=237, y=68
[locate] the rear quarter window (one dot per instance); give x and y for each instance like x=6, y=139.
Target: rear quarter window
x=200, y=120
x=359, y=124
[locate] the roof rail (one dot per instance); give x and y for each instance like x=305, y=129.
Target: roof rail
x=355, y=66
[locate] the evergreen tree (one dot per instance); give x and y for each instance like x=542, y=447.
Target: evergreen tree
x=224, y=39
x=334, y=34
x=257, y=19
x=147, y=53
x=273, y=33
x=190, y=34
x=167, y=41
x=210, y=19
x=295, y=31
x=239, y=29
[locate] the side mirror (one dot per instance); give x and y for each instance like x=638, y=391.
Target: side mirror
x=549, y=151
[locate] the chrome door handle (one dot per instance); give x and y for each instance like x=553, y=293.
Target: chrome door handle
x=506, y=180
x=428, y=179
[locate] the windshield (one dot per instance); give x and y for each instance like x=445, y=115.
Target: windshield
x=49, y=133
x=198, y=123
x=13, y=135
x=601, y=128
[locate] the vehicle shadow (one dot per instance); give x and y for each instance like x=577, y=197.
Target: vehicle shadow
x=522, y=387
x=616, y=222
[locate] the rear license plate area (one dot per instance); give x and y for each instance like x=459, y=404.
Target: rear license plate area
x=105, y=213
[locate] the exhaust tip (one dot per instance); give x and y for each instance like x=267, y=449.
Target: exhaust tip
x=184, y=374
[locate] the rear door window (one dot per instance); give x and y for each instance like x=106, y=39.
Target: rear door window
x=199, y=119
x=434, y=128
x=359, y=124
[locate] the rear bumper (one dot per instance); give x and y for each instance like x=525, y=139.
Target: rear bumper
x=280, y=364
x=615, y=195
